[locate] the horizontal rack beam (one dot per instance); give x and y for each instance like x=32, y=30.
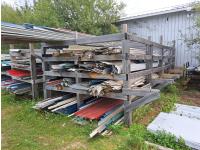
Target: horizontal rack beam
x=101, y=39
x=71, y=90
x=85, y=75
x=147, y=72
x=142, y=101
x=135, y=38
x=29, y=80
x=104, y=58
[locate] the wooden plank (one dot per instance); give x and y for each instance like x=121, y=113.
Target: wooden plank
x=33, y=72
x=44, y=68
x=64, y=106
x=100, y=39
x=126, y=70
x=149, y=63
x=59, y=74
x=146, y=72
x=145, y=41
x=62, y=103
x=71, y=90
x=139, y=91
x=142, y=101
x=100, y=58
x=67, y=89
x=84, y=75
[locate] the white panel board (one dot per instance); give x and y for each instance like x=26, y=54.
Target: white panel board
x=180, y=126
x=186, y=110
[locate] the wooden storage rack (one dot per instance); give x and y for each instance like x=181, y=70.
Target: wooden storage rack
x=126, y=41
x=34, y=81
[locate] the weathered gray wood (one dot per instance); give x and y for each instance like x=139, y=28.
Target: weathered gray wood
x=146, y=72
x=139, y=91
x=33, y=72
x=100, y=39
x=145, y=41
x=127, y=41
x=149, y=63
x=126, y=71
x=84, y=75
x=142, y=101
x=102, y=58
x=44, y=68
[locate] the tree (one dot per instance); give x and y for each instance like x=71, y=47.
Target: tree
x=90, y=16
x=45, y=14
x=9, y=14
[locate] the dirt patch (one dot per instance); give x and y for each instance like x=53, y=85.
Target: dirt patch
x=75, y=146
x=190, y=98
x=8, y=111
x=45, y=140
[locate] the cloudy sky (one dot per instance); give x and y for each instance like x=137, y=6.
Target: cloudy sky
x=132, y=6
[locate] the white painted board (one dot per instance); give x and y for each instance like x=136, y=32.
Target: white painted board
x=180, y=126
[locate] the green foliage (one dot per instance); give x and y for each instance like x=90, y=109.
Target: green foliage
x=135, y=139
x=45, y=14
x=89, y=16
x=10, y=14
x=115, y=128
x=141, y=112
x=167, y=140
x=137, y=135
x=168, y=99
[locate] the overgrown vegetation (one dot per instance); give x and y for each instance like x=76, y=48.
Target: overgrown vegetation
x=89, y=16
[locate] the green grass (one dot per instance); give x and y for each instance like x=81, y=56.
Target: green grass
x=24, y=128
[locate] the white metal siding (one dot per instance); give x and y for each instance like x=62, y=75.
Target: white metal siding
x=178, y=27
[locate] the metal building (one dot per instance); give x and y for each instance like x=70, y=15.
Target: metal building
x=177, y=23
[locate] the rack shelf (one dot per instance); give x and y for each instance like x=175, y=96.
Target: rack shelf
x=126, y=41
x=20, y=56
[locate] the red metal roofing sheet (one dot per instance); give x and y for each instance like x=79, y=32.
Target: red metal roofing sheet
x=18, y=73
x=99, y=108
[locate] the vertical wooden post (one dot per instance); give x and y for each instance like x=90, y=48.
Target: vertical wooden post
x=149, y=63
x=173, y=54
x=44, y=67
x=12, y=46
x=78, y=80
x=161, y=61
x=33, y=71
x=126, y=70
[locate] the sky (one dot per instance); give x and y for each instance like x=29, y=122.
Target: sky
x=133, y=7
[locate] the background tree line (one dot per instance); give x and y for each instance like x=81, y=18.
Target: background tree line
x=88, y=16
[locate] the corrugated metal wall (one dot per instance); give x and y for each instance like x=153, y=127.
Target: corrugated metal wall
x=177, y=26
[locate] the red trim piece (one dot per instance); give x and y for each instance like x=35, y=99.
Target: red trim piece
x=98, y=109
